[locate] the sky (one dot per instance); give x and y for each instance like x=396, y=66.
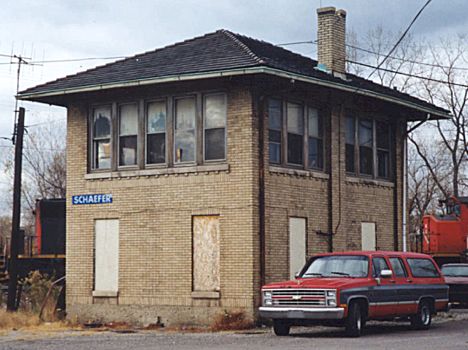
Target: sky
x=72, y=29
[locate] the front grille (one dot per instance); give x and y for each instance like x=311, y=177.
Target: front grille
x=302, y=297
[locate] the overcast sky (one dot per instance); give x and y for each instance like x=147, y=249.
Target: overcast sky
x=70, y=29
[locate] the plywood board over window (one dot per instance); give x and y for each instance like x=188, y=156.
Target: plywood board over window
x=368, y=236
x=206, y=253
x=106, y=257
x=297, y=245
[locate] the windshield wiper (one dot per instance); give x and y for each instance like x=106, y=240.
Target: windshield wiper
x=340, y=273
x=312, y=274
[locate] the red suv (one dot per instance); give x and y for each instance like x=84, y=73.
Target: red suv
x=349, y=288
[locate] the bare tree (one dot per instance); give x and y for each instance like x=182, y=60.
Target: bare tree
x=44, y=166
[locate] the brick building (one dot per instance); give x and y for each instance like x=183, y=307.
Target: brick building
x=198, y=171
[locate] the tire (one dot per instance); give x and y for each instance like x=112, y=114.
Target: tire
x=422, y=320
x=281, y=328
x=355, y=321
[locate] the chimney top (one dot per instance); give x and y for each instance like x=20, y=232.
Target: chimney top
x=331, y=39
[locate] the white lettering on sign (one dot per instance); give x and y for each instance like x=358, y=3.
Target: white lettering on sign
x=92, y=199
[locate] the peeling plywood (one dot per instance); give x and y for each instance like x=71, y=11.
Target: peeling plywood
x=206, y=253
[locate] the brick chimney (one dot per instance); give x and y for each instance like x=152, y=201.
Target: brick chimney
x=331, y=37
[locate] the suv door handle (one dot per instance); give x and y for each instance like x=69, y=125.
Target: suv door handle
x=409, y=281
x=392, y=281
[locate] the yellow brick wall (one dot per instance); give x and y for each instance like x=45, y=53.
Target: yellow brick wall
x=155, y=214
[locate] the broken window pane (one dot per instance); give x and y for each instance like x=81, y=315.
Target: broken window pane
x=365, y=160
x=365, y=132
x=295, y=148
x=215, y=127
x=102, y=138
x=102, y=124
x=184, y=136
x=383, y=135
x=156, y=133
x=156, y=121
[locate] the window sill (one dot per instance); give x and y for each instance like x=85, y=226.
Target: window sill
x=105, y=294
x=158, y=171
x=205, y=295
x=373, y=182
x=299, y=172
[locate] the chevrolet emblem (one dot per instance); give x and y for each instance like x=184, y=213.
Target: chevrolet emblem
x=296, y=297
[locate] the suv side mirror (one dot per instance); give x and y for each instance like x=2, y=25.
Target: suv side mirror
x=386, y=273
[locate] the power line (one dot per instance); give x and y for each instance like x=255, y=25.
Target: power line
x=406, y=74
x=401, y=38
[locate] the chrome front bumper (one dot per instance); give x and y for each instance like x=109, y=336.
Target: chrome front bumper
x=334, y=313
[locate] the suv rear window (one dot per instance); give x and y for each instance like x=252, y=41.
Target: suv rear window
x=422, y=268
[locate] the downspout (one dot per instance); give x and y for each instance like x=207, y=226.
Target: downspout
x=405, y=187
x=405, y=177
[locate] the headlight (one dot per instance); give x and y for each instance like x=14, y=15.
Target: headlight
x=331, y=298
x=267, y=301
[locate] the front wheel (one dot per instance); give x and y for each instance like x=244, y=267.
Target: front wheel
x=281, y=328
x=354, y=321
x=423, y=319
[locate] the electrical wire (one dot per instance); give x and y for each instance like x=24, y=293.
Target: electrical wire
x=406, y=74
x=400, y=39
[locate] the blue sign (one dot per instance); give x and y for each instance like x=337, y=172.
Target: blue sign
x=92, y=199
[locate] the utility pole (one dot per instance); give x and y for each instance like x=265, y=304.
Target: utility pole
x=15, y=226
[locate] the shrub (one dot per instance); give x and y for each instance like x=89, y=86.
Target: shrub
x=231, y=320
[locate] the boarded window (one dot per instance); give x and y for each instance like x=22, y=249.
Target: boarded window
x=106, y=255
x=297, y=245
x=206, y=253
x=368, y=236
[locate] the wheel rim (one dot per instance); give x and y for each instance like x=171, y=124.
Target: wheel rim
x=425, y=315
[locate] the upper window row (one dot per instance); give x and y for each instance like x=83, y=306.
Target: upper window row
x=295, y=135
x=132, y=134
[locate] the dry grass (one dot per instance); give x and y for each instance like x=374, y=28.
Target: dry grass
x=231, y=321
x=25, y=320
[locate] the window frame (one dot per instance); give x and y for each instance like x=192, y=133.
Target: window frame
x=196, y=129
x=166, y=131
x=118, y=135
x=284, y=161
x=203, y=127
x=357, y=153
x=91, y=138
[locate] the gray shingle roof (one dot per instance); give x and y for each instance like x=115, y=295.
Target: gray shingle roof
x=218, y=51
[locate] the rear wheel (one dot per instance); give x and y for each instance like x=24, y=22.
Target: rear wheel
x=281, y=328
x=354, y=321
x=423, y=319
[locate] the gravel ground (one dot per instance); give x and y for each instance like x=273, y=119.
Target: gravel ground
x=447, y=332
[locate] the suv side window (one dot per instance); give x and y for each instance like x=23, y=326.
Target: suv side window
x=422, y=267
x=378, y=264
x=398, y=267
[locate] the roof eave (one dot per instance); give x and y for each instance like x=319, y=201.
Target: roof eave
x=235, y=72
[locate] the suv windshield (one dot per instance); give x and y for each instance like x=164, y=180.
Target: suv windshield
x=460, y=270
x=337, y=266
